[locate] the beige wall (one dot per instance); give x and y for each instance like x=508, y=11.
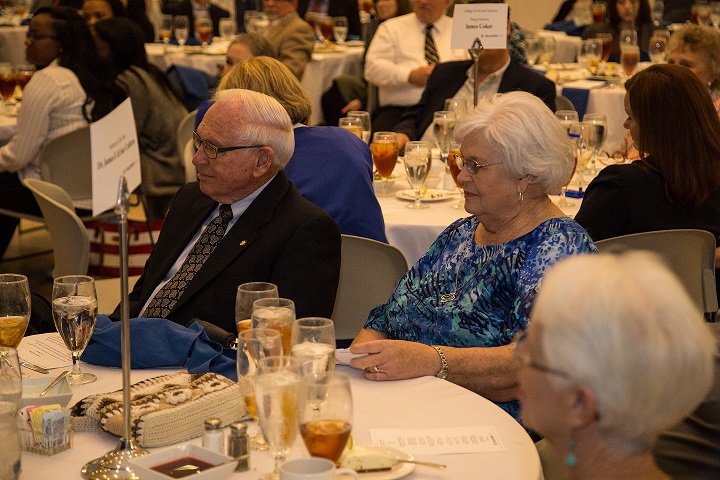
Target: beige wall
x=533, y=14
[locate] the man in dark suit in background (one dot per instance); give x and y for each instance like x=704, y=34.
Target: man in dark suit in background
x=335, y=8
x=275, y=235
x=191, y=8
x=498, y=73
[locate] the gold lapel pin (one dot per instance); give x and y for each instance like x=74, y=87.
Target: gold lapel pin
x=243, y=243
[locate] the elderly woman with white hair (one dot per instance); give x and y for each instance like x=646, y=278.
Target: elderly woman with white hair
x=616, y=352
x=455, y=312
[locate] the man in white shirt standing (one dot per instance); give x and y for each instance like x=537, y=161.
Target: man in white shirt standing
x=403, y=54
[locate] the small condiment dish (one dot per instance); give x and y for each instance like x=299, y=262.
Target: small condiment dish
x=146, y=467
x=32, y=387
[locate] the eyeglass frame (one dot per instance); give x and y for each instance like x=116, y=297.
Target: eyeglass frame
x=472, y=166
x=527, y=362
x=215, y=150
x=35, y=35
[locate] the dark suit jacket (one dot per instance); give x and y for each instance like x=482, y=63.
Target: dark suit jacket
x=339, y=8
x=183, y=7
x=281, y=238
x=446, y=80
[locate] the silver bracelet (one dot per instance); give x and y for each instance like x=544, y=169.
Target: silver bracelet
x=443, y=373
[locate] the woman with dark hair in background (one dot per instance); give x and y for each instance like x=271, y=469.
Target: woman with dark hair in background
x=157, y=110
x=625, y=14
x=95, y=10
x=72, y=88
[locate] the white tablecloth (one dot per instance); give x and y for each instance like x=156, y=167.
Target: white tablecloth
x=422, y=402
x=12, y=44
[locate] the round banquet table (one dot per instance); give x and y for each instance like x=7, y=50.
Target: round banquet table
x=425, y=402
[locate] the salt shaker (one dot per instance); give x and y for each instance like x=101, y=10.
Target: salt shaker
x=213, y=438
x=238, y=446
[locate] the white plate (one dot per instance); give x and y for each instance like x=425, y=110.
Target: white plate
x=430, y=195
x=398, y=471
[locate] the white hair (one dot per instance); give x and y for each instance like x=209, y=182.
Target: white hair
x=264, y=122
x=524, y=132
x=625, y=326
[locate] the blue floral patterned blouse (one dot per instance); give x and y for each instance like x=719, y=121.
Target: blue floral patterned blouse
x=487, y=289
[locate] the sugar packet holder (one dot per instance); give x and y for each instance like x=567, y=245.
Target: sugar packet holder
x=45, y=430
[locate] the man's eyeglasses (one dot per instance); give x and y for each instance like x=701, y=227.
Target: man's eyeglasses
x=211, y=151
x=34, y=35
x=526, y=362
x=472, y=166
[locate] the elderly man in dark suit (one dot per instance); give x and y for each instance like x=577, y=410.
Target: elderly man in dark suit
x=497, y=73
x=273, y=235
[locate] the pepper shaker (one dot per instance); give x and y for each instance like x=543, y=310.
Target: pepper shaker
x=213, y=438
x=238, y=446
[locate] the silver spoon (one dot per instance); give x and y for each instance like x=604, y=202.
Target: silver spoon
x=57, y=380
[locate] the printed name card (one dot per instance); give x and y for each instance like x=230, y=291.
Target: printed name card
x=115, y=152
x=484, y=21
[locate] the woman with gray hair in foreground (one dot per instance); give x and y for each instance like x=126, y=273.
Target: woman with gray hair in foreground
x=455, y=312
x=615, y=353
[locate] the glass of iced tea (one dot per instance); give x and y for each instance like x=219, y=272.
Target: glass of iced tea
x=253, y=345
x=325, y=415
x=24, y=73
x=247, y=293
x=14, y=309
x=278, y=314
x=8, y=81
x=385, y=154
x=629, y=58
x=353, y=125
x=325, y=25
x=204, y=30
x=599, y=11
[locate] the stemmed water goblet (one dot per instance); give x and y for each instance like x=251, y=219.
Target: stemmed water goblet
x=353, y=125
x=443, y=126
x=182, y=29
x=547, y=50
x=14, y=309
x=567, y=118
x=365, y=119
x=340, y=29
x=600, y=122
x=457, y=105
x=166, y=30
x=325, y=425
x=277, y=383
x=417, y=161
x=384, y=149
x=277, y=314
x=226, y=27
x=313, y=343
x=74, y=310
x=590, y=54
x=246, y=295
x=252, y=346
x=453, y=158
x=585, y=135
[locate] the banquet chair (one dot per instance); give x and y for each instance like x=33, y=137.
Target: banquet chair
x=70, y=243
x=369, y=271
x=563, y=103
x=185, y=145
x=690, y=254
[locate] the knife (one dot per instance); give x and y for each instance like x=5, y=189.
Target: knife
x=34, y=367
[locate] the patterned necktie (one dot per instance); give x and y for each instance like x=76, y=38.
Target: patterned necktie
x=431, y=55
x=168, y=295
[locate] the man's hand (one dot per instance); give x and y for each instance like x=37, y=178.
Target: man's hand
x=402, y=140
x=352, y=105
x=419, y=76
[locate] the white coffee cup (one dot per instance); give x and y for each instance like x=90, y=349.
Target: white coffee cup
x=313, y=468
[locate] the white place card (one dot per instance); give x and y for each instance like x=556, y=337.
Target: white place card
x=46, y=350
x=115, y=152
x=439, y=441
x=485, y=21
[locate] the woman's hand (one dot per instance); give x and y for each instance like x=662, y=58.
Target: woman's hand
x=395, y=359
x=352, y=105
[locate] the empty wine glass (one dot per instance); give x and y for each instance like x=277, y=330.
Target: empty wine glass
x=277, y=383
x=600, y=122
x=533, y=48
x=254, y=345
x=340, y=29
x=365, y=118
x=166, y=29
x=227, y=26
x=182, y=28
x=313, y=343
x=628, y=36
x=247, y=293
x=590, y=54
x=457, y=105
x=443, y=127
x=325, y=415
x=658, y=11
x=74, y=310
x=275, y=313
x=453, y=156
x=14, y=308
x=417, y=161
x=384, y=149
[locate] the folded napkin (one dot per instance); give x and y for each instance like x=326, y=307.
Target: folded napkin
x=157, y=343
x=579, y=98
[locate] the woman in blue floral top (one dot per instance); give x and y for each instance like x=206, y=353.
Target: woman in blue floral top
x=475, y=285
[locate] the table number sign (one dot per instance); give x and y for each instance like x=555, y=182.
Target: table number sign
x=484, y=21
x=115, y=152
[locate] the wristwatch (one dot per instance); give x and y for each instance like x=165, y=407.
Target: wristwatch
x=443, y=373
